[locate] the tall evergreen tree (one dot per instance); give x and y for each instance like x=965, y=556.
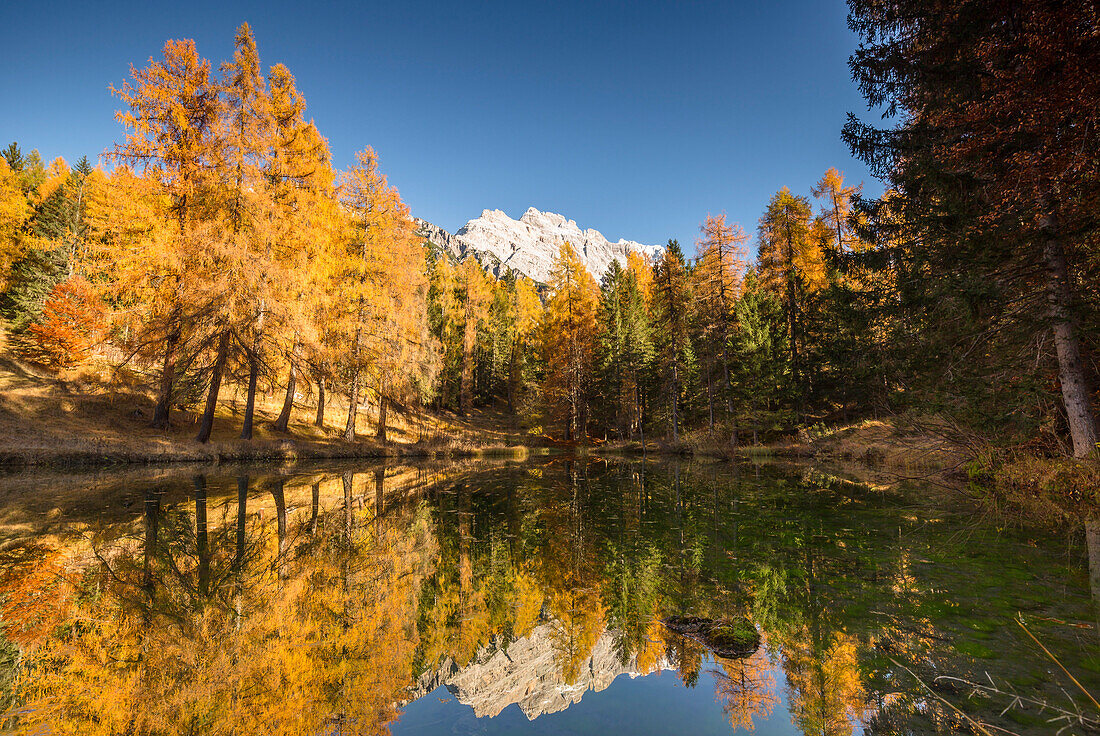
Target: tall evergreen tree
x=671, y=309
x=173, y=108
x=14, y=157
x=762, y=368
x=624, y=351
x=569, y=333
x=789, y=263
x=996, y=167
x=719, y=268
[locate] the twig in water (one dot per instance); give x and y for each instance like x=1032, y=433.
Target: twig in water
x=980, y=727
x=1020, y=620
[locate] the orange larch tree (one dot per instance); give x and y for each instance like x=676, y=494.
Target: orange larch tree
x=720, y=266
x=172, y=117
x=569, y=340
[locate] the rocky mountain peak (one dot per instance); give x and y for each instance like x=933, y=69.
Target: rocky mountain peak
x=530, y=244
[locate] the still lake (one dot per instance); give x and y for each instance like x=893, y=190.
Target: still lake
x=493, y=597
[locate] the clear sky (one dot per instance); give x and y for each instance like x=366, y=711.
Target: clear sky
x=635, y=118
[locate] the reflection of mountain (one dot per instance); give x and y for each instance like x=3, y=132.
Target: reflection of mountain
x=528, y=672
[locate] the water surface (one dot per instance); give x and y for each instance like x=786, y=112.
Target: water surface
x=493, y=598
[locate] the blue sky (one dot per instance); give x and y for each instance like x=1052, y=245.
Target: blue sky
x=635, y=118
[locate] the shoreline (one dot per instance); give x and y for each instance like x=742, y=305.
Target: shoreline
x=98, y=434
x=275, y=451
x=877, y=450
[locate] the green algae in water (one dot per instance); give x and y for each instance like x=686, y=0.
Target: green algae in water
x=973, y=648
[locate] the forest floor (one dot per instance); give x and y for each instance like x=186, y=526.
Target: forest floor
x=92, y=417
x=890, y=443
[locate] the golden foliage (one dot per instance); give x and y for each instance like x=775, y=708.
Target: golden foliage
x=14, y=211
x=568, y=335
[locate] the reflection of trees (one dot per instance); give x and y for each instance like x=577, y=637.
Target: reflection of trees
x=567, y=569
x=632, y=576
x=686, y=655
x=478, y=593
x=746, y=689
x=819, y=660
x=274, y=608
x=795, y=600
x=823, y=682
x=509, y=561
x=288, y=605
x=359, y=612
x=32, y=585
x=632, y=593
x=231, y=628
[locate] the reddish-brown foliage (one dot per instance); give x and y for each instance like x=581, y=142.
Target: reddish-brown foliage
x=73, y=320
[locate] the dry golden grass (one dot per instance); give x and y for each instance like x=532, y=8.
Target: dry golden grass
x=880, y=453
x=891, y=443
x=98, y=413
x=1053, y=489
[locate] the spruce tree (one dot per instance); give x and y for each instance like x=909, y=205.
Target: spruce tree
x=671, y=309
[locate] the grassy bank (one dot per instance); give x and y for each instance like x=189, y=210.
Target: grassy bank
x=1053, y=490
x=92, y=417
x=1022, y=482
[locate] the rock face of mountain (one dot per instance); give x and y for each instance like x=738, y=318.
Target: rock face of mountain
x=528, y=673
x=528, y=245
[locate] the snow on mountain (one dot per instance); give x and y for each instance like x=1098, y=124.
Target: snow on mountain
x=530, y=244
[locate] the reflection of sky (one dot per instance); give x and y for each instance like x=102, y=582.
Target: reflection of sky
x=655, y=704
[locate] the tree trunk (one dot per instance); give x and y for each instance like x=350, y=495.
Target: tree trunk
x=320, y=420
x=675, y=401
x=207, y=425
x=792, y=327
x=288, y=403
x=242, y=519
x=152, y=529
x=379, y=499
x=346, y=478
x=353, y=407
x=1071, y=370
x=167, y=380
x=729, y=393
x=315, y=506
x=466, y=379
x=280, y=525
x=839, y=225
x=250, y=398
x=383, y=405
x=572, y=408
x=202, y=534
x=1092, y=542
x=513, y=370
x=710, y=401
